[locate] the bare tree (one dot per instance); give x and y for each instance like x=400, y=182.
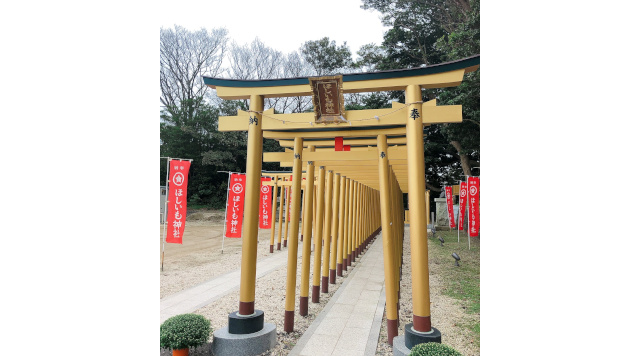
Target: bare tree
x=295, y=67
x=185, y=56
x=255, y=61
x=258, y=61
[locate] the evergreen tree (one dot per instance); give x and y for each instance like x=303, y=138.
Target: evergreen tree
x=430, y=32
x=191, y=133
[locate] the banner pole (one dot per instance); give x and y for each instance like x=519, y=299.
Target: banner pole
x=458, y=227
x=224, y=228
x=164, y=228
x=166, y=205
x=469, y=220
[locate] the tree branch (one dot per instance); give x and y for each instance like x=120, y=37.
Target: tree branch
x=433, y=188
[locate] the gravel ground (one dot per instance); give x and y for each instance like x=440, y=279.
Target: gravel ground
x=270, y=297
x=446, y=313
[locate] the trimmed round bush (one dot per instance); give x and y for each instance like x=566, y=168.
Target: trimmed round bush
x=433, y=349
x=184, y=331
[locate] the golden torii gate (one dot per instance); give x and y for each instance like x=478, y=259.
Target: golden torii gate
x=363, y=166
x=400, y=122
x=278, y=179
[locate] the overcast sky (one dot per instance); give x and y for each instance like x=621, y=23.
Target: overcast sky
x=281, y=24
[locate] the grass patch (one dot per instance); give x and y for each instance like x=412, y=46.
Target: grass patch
x=463, y=282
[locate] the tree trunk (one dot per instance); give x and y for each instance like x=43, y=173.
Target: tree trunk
x=465, y=161
x=432, y=188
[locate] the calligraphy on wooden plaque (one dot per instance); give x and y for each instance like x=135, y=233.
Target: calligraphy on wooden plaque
x=328, y=101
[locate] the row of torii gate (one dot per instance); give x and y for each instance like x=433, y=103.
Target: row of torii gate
x=359, y=192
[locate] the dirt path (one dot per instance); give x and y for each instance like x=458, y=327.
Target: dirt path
x=199, y=257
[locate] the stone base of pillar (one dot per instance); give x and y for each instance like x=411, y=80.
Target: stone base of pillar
x=278, y=246
x=270, y=248
x=332, y=275
x=246, y=324
x=413, y=337
x=227, y=344
x=400, y=347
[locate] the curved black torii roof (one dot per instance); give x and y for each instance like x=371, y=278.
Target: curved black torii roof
x=472, y=61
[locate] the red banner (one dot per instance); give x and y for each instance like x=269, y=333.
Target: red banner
x=449, y=193
x=474, y=206
x=462, y=205
x=265, y=204
x=177, y=200
x=235, y=205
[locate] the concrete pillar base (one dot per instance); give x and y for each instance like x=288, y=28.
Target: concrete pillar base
x=226, y=344
x=399, y=348
x=413, y=337
x=246, y=324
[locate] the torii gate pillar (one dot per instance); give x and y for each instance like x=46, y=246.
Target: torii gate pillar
x=247, y=333
x=420, y=330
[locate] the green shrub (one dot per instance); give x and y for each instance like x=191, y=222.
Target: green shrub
x=433, y=349
x=184, y=330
